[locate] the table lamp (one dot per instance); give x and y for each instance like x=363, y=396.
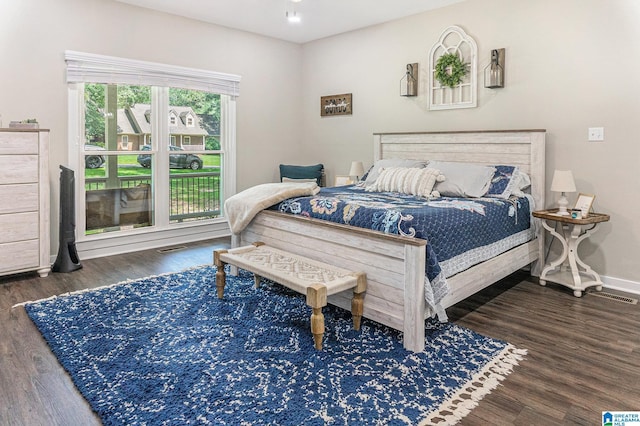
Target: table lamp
x=563, y=182
x=357, y=169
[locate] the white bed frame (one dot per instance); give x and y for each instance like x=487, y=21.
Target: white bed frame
x=394, y=264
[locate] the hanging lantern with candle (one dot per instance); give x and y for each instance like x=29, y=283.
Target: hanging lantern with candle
x=409, y=83
x=494, y=72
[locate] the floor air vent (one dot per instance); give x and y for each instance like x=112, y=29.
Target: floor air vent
x=616, y=297
x=170, y=249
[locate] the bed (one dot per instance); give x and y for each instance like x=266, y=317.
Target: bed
x=395, y=264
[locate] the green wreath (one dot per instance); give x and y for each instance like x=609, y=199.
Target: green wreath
x=450, y=70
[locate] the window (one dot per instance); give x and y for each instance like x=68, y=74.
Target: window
x=139, y=186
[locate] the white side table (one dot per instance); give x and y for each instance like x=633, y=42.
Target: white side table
x=568, y=269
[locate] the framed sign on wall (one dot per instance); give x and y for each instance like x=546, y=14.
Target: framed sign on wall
x=336, y=105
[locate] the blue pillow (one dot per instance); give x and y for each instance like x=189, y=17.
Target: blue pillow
x=503, y=181
x=302, y=172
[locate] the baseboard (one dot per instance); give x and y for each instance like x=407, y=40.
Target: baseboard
x=620, y=284
x=109, y=244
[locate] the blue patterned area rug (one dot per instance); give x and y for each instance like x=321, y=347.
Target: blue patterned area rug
x=166, y=350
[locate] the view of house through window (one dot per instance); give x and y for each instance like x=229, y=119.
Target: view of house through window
x=130, y=178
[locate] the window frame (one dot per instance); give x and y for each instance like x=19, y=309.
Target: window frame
x=163, y=232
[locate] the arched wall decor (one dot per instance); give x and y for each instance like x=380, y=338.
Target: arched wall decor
x=463, y=95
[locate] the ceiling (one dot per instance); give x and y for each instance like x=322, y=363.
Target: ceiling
x=319, y=18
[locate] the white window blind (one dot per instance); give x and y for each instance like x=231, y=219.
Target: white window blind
x=92, y=68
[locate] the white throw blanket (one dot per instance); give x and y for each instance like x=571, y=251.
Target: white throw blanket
x=242, y=207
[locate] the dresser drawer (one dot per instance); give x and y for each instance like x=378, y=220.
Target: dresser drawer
x=24, y=201
x=18, y=168
x=18, y=227
x=18, y=256
x=19, y=143
x=18, y=198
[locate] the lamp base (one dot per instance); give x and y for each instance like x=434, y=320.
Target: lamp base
x=562, y=206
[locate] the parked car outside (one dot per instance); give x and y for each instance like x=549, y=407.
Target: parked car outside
x=181, y=160
x=93, y=161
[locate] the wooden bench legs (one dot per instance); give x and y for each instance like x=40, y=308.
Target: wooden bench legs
x=221, y=277
x=316, y=298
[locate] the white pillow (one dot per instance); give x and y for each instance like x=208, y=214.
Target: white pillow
x=286, y=179
x=407, y=180
x=374, y=171
x=523, y=181
x=463, y=179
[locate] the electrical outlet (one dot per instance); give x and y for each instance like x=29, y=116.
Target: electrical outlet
x=596, y=134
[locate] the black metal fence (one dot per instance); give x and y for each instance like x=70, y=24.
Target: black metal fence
x=192, y=195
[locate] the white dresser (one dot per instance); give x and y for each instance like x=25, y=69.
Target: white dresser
x=24, y=201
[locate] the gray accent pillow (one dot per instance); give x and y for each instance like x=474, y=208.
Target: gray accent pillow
x=462, y=179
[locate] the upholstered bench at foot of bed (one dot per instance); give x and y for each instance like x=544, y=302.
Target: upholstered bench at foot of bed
x=316, y=280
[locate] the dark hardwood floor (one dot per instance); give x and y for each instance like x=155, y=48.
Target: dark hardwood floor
x=583, y=353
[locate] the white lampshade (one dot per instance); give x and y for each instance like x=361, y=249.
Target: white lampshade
x=563, y=182
x=357, y=169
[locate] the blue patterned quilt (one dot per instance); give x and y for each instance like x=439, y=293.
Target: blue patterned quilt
x=460, y=232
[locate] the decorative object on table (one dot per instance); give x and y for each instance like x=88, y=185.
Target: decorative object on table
x=336, y=105
x=563, y=182
x=30, y=123
x=568, y=269
x=453, y=71
x=356, y=170
x=165, y=349
x=342, y=180
x=583, y=204
x=409, y=83
x=494, y=72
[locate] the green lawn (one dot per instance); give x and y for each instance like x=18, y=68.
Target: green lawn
x=128, y=166
x=190, y=197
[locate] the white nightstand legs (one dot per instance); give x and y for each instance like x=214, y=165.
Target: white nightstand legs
x=568, y=269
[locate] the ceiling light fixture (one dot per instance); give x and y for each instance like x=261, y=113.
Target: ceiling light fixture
x=292, y=17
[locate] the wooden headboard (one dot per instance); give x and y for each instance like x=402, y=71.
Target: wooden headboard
x=522, y=148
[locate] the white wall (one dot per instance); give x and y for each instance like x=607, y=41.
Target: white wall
x=571, y=64
x=35, y=33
